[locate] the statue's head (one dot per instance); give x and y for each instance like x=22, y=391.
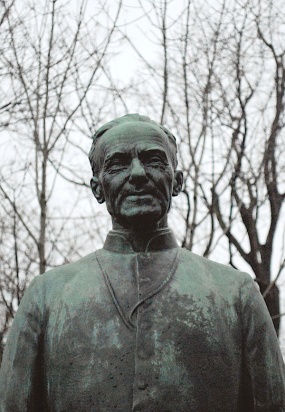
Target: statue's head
x=134, y=162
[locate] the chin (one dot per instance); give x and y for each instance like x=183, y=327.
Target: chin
x=142, y=221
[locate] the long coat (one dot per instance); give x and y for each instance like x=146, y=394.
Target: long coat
x=163, y=330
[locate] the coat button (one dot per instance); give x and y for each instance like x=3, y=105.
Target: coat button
x=142, y=385
x=144, y=354
x=147, y=303
x=145, y=281
x=145, y=325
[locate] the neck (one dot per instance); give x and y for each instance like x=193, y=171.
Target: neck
x=139, y=237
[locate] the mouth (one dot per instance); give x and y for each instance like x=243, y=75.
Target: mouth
x=140, y=195
x=136, y=195
x=138, y=192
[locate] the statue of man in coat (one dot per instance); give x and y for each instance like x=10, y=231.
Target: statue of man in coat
x=141, y=324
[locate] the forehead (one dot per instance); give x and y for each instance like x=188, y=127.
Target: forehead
x=132, y=137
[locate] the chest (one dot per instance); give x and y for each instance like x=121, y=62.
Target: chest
x=167, y=341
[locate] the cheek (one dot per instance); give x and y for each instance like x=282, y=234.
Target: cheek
x=111, y=186
x=165, y=183
x=106, y=185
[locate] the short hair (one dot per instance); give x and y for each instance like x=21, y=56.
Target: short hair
x=128, y=118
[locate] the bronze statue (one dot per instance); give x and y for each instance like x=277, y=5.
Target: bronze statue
x=141, y=325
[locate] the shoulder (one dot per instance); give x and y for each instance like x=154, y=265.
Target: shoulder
x=65, y=272
x=209, y=271
x=205, y=278
x=54, y=281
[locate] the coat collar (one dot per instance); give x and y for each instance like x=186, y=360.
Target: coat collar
x=120, y=241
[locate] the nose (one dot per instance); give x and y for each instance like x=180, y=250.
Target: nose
x=137, y=173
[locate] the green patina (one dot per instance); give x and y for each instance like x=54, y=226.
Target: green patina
x=141, y=324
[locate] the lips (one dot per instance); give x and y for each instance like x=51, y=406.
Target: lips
x=135, y=196
x=140, y=195
x=138, y=192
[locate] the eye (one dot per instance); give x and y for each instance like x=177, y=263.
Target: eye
x=155, y=160
x=115, y=165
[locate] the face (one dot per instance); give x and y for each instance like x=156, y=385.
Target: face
x=137, y=177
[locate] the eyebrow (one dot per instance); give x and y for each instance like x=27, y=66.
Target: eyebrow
x=123, y=154
x=154, y=151
x=115, y=155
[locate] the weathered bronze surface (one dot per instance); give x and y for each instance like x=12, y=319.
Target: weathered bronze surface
x=141, y=325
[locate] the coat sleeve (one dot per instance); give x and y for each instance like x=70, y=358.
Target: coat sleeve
x=22, y=367
x=263, y=363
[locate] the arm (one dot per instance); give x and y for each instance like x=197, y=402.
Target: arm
x=263, y=363
x=22, y=367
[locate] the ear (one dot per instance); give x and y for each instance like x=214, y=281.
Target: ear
x=178, y=182
x=97, y=189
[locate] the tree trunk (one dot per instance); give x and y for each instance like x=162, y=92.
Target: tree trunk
x=272, y=302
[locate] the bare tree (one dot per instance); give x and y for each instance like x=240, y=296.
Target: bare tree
x=220, y=86
x=217, y=81
x=55, y=90
x=256, y=170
